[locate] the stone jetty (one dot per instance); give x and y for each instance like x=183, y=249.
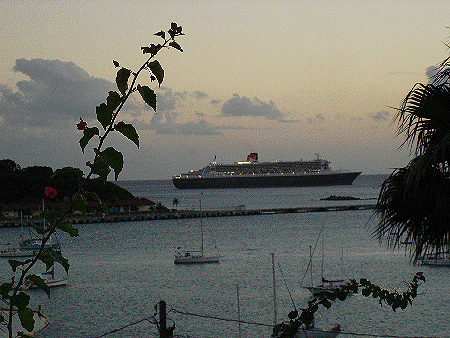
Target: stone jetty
x=174, y=214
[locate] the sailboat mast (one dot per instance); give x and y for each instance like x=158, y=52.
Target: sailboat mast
x=323, y=257
x=274, y=291
x=201, y=225
x=310, y=265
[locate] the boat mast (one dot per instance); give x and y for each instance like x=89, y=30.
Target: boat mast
x=310, y=266
x=323, y=258
x=274, y=291
x=201, y=225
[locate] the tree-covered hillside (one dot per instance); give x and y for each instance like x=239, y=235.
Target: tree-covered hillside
x=27, y=185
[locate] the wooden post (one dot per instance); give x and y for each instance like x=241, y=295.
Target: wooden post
x=162, y=320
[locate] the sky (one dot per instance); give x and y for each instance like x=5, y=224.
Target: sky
x=285, y=79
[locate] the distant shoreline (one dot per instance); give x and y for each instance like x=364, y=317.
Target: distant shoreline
x=177, y=214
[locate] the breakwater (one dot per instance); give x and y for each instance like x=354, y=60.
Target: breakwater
x=173, y=214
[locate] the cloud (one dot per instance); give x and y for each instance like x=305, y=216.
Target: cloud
x=431, y=72
x=167, y=99
x=200, y=127
x=239, y=106
x=200, y=95
x=55, y=92
x=380, y=116
x=165, y=124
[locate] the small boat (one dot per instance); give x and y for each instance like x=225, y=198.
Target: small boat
x=13, y=252
x=195, y=256
x=189, y=257
x=326, y=285
x=439, y=258
x=35, y=244
x=49, y=279
x=303, y=332
x=313, y=332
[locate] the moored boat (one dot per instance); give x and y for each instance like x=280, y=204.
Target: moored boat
x=13, y=252
x=254, y=174
x=195, y=256
x=440, y=259
x=49, y=279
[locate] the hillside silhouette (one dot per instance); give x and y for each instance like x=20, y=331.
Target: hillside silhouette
x=27, y=185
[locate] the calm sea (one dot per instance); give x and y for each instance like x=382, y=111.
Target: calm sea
x=119, y=271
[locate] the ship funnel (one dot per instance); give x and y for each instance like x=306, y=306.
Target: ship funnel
x=253, y=157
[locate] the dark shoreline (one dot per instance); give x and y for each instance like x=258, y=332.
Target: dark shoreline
x=176, y=214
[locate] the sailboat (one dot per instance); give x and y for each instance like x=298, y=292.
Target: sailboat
x=326, y=285
x=196, y=256
x=303, y=331
x=49, y=279
x=17, y=252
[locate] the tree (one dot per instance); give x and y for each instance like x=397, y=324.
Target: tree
x=414, y=202
x=175, y=202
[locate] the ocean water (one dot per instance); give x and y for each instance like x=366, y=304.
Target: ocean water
x=120, y=271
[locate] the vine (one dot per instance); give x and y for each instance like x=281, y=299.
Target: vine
x=104, y=161
x=305, y=319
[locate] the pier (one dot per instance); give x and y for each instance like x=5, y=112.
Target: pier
x=178, y=214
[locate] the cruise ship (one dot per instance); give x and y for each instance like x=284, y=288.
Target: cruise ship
x=255, y=174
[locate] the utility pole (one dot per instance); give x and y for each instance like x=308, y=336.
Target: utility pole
x=162, y=320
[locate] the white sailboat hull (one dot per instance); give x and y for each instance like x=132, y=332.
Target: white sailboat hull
x=324, y=289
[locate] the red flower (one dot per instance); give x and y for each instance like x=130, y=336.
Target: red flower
x=50, y=192
x=81, y=125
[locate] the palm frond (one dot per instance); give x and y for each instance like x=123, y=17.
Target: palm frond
x=414, y=209
x=424, y=112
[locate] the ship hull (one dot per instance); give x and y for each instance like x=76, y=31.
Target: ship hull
x=306, y=180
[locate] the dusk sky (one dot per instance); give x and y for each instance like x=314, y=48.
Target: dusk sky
x=286, y=79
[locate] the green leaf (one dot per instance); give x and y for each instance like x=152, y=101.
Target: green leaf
x=113, y=100
x=161, y=34
x=26, y=317
x=104, y=115
x=293, y=314
x=175, y=45
x=4, y=289
x=157, y=70
x=51, y=216
x=128, y=131
x=80, y=203
x=114, y=159
x=95, y=197
x=100, y=167
x=87, y=135
x=67, y=226
x=47, y=258
x=40, y=283
x=276, y=329
x=15, y=263
x=21, y=300
x=122, y=80
x=326, y=303
x=59, y=258
x=148, y=95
